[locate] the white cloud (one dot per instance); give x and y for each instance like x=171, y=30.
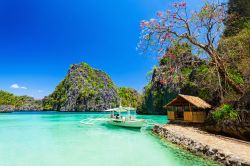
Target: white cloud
x=16, y=86
x=23, y=87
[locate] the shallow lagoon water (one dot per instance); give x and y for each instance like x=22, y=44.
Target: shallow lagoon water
x=59, y=139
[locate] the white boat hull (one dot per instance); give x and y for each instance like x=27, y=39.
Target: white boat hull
x=130, y=123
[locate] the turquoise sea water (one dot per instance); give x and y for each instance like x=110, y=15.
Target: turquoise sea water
x=58, y=139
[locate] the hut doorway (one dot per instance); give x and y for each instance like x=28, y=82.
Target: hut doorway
x=179, y=113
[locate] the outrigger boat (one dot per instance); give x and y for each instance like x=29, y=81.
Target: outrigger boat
x=118, y=119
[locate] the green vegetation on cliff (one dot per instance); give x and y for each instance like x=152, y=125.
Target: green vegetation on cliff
x=238, y=17
x=18, y=102
x=7, y=98
x=129, y=97
x=217, y=71
x=225, y=112
x=167, y=81
x=83, y=89
x=88, y=89
x=58, y=97
x=154, y=98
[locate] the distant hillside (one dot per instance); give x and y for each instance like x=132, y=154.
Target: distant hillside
x=129, y=97
x=83, y=89
x=10, y=102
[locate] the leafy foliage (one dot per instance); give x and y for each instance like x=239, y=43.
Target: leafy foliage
x=199, y=30
x=7, y=98
x=235, y=50
x=238, y=17
x=223, y=76
x=225, y=112
x=192, y=76
x=129, y=97
x=57, y=98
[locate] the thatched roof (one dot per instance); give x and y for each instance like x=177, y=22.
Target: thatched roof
x=182, y=100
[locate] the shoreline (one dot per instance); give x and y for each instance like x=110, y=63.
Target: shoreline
x=37, y=111
x=217, y=148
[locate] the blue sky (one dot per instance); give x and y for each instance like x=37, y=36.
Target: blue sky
x=39, y=39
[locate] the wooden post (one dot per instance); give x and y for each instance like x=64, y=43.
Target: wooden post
x=190, y=110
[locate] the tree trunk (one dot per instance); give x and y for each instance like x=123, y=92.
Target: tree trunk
x=223, y=74
x=238, y=89
x=219, y=64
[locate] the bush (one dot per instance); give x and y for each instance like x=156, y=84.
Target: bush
x=225, y=112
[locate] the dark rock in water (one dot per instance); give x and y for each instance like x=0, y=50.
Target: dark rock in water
x=83, y=89
x=30, y=104
x=30, y=107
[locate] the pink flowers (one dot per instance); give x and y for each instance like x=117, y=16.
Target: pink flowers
x=171, y=70
x=151, y=23
x=159, y=14
x=172, y=56
x=167, y=35
x=152, y=20
x=175, y=4
x=159, y=58
x=162, y=41
x=144, y=23
x=163, y=81
x=157, y=25
x=162, y=36
x=164, y=25
x=181, y=4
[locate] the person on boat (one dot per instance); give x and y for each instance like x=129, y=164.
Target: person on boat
x=116, y=116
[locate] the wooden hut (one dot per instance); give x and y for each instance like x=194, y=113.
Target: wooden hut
x=188, y=109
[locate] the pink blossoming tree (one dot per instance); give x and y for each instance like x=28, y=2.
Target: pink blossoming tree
x=200, y=29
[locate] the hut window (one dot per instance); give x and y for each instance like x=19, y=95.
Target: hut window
x=186, y=108
x=195, y=109
x=173, y=108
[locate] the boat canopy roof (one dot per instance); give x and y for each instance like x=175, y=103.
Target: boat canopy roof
x=120, y=109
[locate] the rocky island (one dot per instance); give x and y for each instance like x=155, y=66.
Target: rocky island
x=9, y=103
x=83, y=89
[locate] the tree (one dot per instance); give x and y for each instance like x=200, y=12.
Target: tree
x=238, y=17
x=200, y=29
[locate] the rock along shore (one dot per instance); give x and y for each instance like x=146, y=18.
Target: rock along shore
x=221, y=149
